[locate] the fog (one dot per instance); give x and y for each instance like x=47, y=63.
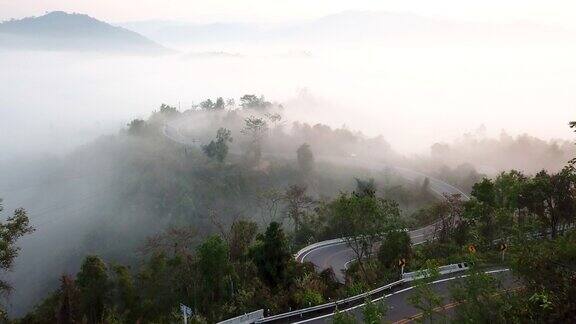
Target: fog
x=412, y=96
x=62, y=114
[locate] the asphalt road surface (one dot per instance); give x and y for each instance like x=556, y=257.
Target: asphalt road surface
x=400, y=310
x=338, y=256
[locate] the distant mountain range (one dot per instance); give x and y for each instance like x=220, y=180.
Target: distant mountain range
x=349, y=26
x=63, y=31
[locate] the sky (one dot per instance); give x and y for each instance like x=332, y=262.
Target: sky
x=550, y=12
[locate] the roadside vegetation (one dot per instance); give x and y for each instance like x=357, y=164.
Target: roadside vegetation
x=215, y=227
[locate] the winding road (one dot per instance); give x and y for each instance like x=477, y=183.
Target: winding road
x=336, y=254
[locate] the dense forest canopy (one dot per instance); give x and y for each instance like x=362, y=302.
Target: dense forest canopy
x=226, y=169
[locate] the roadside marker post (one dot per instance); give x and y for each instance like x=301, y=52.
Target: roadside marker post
x=402, y=264
x=503, y=247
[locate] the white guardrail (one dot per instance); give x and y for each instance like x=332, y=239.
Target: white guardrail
x=299, y=256
x=443, y=270
x=246, y=318
x=329, y=308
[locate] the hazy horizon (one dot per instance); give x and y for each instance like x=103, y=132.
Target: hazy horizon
x=419, y=96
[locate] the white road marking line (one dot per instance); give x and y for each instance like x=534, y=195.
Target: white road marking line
x=395, y=293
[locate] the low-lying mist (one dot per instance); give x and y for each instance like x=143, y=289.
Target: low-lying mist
x=92, y=186
x=414, y=97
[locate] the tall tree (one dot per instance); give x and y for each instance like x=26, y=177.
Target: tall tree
x=241, y=236
x=11, y=230
x=251, y=101
x=255, y=128
x=94, y=286
x=214, y=267
x=305, y=159
x=272, y=255
x=362, y=221
x=552, y=198
x=297, y=204
x=396, y=245
x=218, y=149
x=68, y=311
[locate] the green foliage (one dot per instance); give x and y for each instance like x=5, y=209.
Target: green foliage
x=481, y=299
x=423, y=296
x=272, y=255
x=94, y=286
x=308, y=297
x=343, y=318
x=374, y=312
x=363, y=220
x=11, y=230
x=396, y=245
x=547, y=269
x=209, y=105
x=255, y=128
x=168, y=111
x=251, y=101
x=214, y=268
x=365, y=188
x=242, y=234
x=218, y=150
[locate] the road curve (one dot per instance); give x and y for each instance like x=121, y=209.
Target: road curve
x=338, y=255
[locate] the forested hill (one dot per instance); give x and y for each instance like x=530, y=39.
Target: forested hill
x=109, y=196
x=63, y=31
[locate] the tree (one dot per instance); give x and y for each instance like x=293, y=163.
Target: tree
x=218, y=150
x=242, y=234
x=305, y=159
x=125, y=294
x=480, y=300
x=423, y=296
x=572, y=125
x=94, y=286
x=269, y=203
x=168, y=111
x=343, y=318
x=396, y=245
x=297, y=204
x=251, y=101
x=207, y=105
x=365, y=188
x=220, y=104
x=68, y=311
x=363, y=220
x=450, y=225
x=214, y=267
x=137, y=127
x=552, y=198
x=255, y=128
x=374, y=312
x=272, y=255
x=11, y=230
x=174, y=241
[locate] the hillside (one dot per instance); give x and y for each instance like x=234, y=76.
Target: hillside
x=63, y=31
